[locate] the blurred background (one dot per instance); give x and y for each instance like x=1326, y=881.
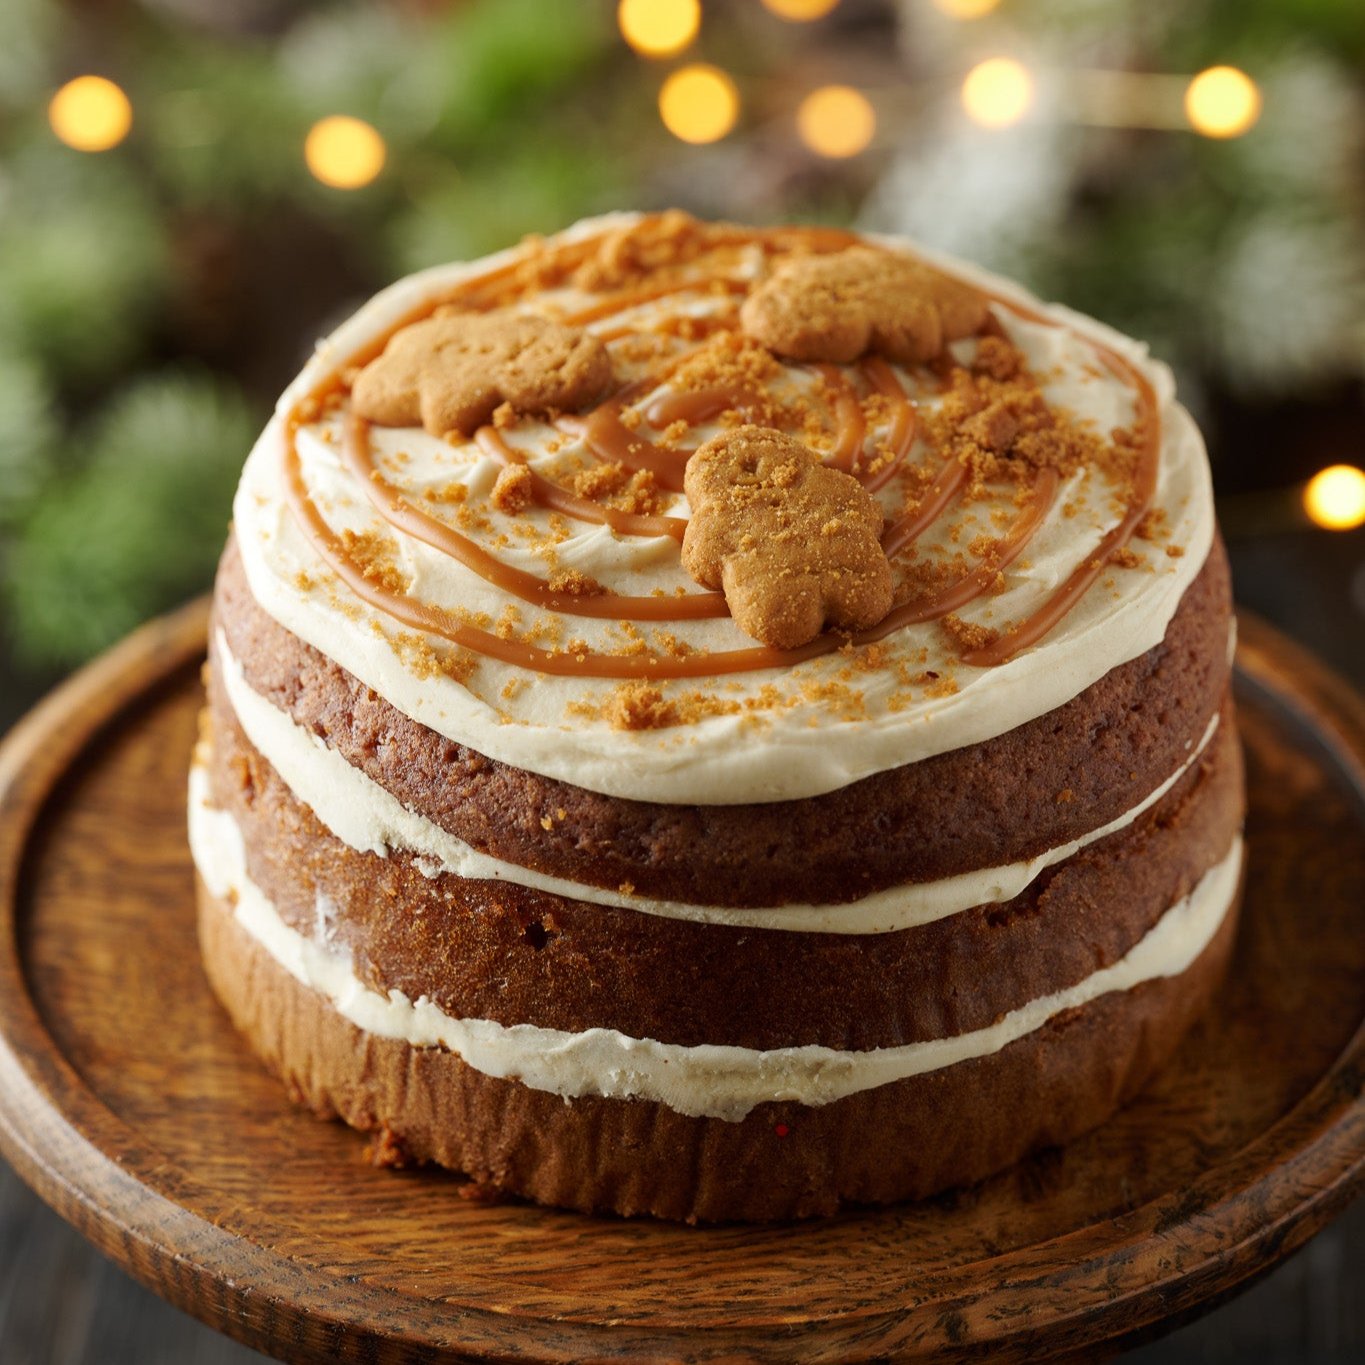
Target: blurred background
x=192, y=191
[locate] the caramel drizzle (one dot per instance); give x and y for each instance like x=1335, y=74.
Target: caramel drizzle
x=612, y=441
x=390, y=503
x=850, y=424
x=1033, y=627
x=699, y=405
x=549, y=494
x=693, y=407
x=609, y=438
x=634, y=298
x=1005, y=551
x=433, y=620
x=904, y=420
x=937, y=497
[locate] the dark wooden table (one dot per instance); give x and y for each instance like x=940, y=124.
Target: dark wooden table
x=62, y=1303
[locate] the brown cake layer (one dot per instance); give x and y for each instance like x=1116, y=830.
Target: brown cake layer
x=493, y=950
x=1008, y=798
x=905, y=1140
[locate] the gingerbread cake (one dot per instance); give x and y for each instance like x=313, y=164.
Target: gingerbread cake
x=719, y=723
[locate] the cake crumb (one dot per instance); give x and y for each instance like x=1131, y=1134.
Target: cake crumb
x=387, y=1150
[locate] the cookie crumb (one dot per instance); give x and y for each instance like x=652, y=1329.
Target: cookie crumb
x=512, y=491
x=967, y=635
x=640, y=706
x=574, y=583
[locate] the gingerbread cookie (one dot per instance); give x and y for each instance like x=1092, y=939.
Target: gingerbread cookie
x=838, y=307
x=792, y=544
x=451, y=373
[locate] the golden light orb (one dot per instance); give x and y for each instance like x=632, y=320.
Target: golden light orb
x=343, y=152
x=966, y=9
x=1222, y=102
x=836, y=121
x=659, y=28
x=1335, y=497
x=90, y=114
x=699, y=103
x=997, y=92
x=800, y=11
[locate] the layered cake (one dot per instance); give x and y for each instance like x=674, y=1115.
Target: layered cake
x=719, y=723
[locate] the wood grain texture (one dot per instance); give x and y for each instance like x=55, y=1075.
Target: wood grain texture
x=127, y=1101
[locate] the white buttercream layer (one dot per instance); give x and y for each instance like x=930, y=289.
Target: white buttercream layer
x=803, y=747
x=713, y=1081
x=367, y=818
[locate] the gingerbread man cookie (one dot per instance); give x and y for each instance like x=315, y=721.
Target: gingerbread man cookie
x=451, y=373
x=793, y=544
x=840, y=306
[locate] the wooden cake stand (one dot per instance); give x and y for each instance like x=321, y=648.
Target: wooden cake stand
x=129, y=1104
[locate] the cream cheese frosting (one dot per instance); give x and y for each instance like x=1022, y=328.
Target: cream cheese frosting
x=811, y=734
x=717, y=1081
x=367, y=818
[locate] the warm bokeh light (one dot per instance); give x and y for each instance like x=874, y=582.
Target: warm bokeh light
x=659, y=28
x=1222, y=102
x=966, y=9
x=800, y=11
x=836, y=121
x=699, y=103
x=90, y=114
x=997, y=92
x=344, y=152
x=1335, y=497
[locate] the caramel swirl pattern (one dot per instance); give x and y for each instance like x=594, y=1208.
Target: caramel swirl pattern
x=609, y=438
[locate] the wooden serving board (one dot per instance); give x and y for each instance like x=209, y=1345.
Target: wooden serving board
x=128, y=1102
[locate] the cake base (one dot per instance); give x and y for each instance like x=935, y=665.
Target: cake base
x=905, y=1140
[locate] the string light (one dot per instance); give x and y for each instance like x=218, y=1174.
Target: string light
x=836, y=121
x=344, y=152
x=659, y=28
x=699, y=103
x=800, y=11
x=966, y=9
x=997, y=92
x=1335, y=497
x=1222, y=102
x=90, y=114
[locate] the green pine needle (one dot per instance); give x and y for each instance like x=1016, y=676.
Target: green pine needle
x=138, y=529
x=28, y=435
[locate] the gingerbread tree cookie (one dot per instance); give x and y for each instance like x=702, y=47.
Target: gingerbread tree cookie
x=840, y=306
x=792, y=544
x=451, y=373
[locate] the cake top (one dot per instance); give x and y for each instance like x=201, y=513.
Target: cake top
x=691, y=512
